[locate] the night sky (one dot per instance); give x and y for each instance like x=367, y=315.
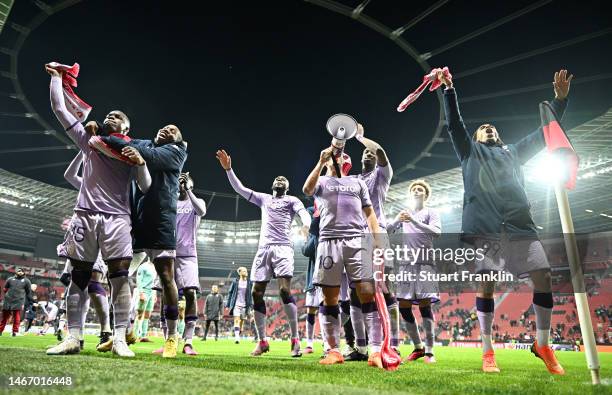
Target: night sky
x=261, y=78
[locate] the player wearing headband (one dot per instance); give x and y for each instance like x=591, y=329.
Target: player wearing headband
x=274, y=258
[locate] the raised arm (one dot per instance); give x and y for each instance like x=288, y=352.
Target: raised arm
x=373, y=146
x=71, y=125
x=310, y=185
x=460, y=138
x=534, y=142
x=72, y=171
x=226, y=162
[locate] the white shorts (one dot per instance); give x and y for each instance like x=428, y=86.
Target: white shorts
x=519, y=256
x=153, y=253
x=186, y=272
x=338, y=255
x=92, y=233
x=240, y=312
x=314, y=297
x=51, y=317
x=272, y=261
x=137, y=259
x=417, y=290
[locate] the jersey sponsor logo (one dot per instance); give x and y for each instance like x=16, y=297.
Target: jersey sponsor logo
x=279, y=204
x=183, y=210
x=342, y=188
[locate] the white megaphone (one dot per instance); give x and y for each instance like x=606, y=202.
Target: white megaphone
x=342, y=127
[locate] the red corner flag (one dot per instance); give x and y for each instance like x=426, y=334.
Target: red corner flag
x=557, y=143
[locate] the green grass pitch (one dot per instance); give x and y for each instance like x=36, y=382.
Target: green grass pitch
x=226, y=368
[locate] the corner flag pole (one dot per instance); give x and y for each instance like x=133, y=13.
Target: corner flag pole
x=582, y=303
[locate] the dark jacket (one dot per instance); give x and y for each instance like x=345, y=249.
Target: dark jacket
x=214, y=306
x=154, y=213
x=494, y=198
x=309, y=249
x=233, y=295
x=16, y=290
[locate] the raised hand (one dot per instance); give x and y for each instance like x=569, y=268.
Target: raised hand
x=133, y=154
x=326, y=155
x=360, y=131
x=442, y=78
x=561, y=84
x=52, y=72
x=224, y=159
x=91, y=127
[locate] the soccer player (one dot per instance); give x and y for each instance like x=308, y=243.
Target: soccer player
x=313, y=293
x=16, y=290
x=95, y=289
x=213, y=310
x=274, y=258
x=31, y=307
x=418, y=226
x=343, y=203
x=496, y=214
x=190, y=209
x=49, y=309
x=155, y=223
x=145, y=277
x=101, y=223
x=239, y=300
x=376, y=172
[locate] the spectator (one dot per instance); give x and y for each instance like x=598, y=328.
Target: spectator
x=16, y=290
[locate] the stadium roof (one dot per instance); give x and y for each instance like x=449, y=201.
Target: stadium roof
x=387, y=50
x=30, y=208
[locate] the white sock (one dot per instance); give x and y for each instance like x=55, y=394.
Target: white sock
x=372, y=319
x=291, y=313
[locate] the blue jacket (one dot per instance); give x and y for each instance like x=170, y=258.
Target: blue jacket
x=494, y=199
x=154, y=213
x=233, y=295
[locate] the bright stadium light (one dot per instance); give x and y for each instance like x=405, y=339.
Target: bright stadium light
x=228, y=240
x=549, y=170
x=239, y=241
x=252, y=241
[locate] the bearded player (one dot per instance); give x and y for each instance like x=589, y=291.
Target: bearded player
x=274, y=258
x=417, y=227
x=101, y=223
x=343, y=203
x=497, y=217
x=155, y=222
x=189, y=211
x=95, y=288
